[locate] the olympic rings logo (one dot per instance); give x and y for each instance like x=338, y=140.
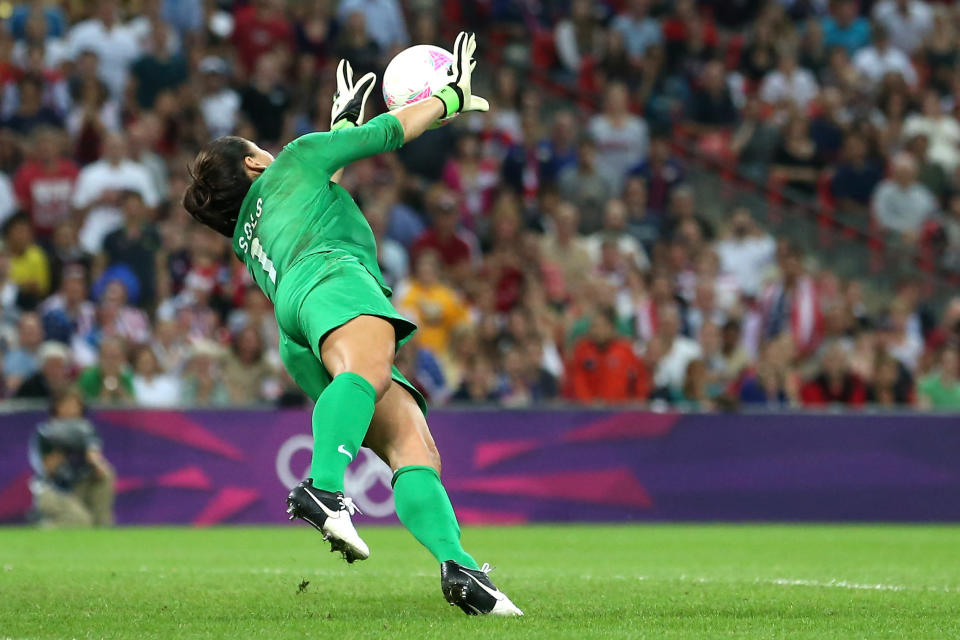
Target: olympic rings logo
x=363, y=474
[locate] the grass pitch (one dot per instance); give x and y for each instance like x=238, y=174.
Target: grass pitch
x=572, y=581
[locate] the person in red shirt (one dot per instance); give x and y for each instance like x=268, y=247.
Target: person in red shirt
x=258, y=28
x=443, y=235
x=835, y=384
x=604, y=367
x=44, y=183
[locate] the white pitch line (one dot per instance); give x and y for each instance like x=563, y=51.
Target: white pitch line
x=783, y=582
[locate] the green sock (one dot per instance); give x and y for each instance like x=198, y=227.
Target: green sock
x=341, y=418
x=424, y=508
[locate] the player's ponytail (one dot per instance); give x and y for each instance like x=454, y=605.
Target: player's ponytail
x=220, y=183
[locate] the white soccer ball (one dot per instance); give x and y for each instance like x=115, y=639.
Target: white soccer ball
x=415, y=74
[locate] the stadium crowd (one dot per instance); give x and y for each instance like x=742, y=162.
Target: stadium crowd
x=548, y=250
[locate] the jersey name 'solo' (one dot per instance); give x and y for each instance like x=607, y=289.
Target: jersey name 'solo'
x=256, y=249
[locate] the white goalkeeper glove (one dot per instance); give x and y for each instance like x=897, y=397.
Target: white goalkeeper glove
x=350, y=98
x=456, y=96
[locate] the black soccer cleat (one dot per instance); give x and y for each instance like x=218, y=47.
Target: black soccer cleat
x=329, y=513
x=473, y=592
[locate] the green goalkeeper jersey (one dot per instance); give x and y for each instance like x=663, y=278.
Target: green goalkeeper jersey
x=293, y=211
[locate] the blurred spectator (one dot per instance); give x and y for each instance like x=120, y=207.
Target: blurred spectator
x=856, y=177
x=202, y=384
x=939, y=50
x=480, y=383
x=158, y=70
x=711, y=105
x=219, y=103
x=586, y=186
x=23, y=360
x=579, y=37
x=790, y=86
x=792, y=303
x=604, y=368
x=29, y=267
x=797, y=161
x=99, y=185
x=134, y=245
x=670, y=352
x=384, y=20
x=900, y=203
x=940, y=389
x=110, y=381
x=882, y=58
x=892, y=385
x=246, y=372
x=845, y=28
x=834, y=383
x=622, y=138
x=564, y=247
x=772, y=383
x=614, y=231
x=73, y=484
x=754, y=140
x=265, y=100
x=114, y=43
x=53, y=377
x=433, y=305
x=640, y=30
x=151, y=386
x=259, y=28
x=908, y=22
x=44, y=183
x=941, y=130
x=662, y=171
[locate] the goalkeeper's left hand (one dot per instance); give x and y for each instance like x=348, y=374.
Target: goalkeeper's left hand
x=457, y=96
x=350, y=98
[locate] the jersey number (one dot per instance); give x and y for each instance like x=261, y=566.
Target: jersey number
x=256, y=250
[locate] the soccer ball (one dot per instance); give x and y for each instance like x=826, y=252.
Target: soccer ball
x=415, y=74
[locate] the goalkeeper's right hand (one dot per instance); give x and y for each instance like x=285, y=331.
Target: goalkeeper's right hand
x=456, y=96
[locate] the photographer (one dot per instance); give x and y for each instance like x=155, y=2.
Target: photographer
x=73, y=485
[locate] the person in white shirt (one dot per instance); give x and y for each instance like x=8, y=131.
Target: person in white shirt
x=881, y=58
x=219, y=104
x=747, y=252
x=152, y=387
x=615, y=229
x=98, y=187
x=622, y=138
x=8, y=201
x=900, y=203
x=908, y=22
x=941, y=129
x=114, y=43
x=790, y=84
x=671, y=350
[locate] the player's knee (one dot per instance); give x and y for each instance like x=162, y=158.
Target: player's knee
x=380, y=376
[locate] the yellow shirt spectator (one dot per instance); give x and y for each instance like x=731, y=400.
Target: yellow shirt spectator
x=29, y=267
x=435, y=307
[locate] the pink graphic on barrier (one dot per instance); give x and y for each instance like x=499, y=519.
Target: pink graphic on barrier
x=466, y=515
x=616, y=487
x=187, y=478
x=172, y=425
x=489, y=453
x=15, y=498
x=126, y=484
x=227, y=503
x=624, y=426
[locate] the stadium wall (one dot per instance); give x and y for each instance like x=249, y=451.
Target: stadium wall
x=211, y=467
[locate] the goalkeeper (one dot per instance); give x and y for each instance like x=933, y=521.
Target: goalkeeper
x=310, y=250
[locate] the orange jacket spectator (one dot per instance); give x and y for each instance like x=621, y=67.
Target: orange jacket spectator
x=604, y=367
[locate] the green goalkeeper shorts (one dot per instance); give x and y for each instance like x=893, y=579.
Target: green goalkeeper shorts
x=319, y=294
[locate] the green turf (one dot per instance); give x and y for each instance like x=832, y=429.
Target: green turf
x=572, y=581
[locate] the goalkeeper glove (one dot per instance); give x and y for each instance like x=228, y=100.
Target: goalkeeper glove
x=456, y=96
x=350, y=98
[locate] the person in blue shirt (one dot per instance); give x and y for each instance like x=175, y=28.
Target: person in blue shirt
x=845, y=28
